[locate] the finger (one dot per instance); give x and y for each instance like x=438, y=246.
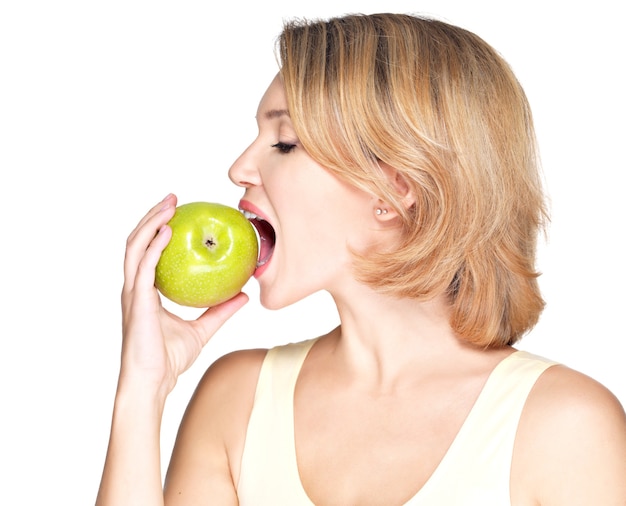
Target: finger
x=132, y=249
x=213, y=318
x=141, y=294
x=142, y=237
x=145, y=275
x=139, y=280
x=139, y=286
x=169, y=200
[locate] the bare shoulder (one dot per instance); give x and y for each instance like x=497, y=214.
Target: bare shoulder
x=204, y=467
x=575, y=401
x=572, y=431
x=235, y=372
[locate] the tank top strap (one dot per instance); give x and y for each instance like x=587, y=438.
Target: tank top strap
x=474, y=472
x=476, y=468
x=269, y=470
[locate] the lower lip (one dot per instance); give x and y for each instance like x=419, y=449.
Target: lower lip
x=260, y=270
x=244, y=204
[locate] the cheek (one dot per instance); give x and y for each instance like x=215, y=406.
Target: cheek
x=321, y=245
x=319, y=214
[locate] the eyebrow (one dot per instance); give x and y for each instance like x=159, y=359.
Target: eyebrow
x=275, y=113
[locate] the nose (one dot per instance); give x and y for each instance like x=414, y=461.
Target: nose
x=244, y=171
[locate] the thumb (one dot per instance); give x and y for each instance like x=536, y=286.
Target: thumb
x=213, y=318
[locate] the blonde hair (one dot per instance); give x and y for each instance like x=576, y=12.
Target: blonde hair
x=444, y=110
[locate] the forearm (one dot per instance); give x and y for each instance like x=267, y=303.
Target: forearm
x=132, y=470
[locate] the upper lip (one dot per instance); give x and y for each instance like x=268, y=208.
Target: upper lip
x=246, y=205
x=265, y=231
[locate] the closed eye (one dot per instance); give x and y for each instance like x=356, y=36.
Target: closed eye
x=283, y=147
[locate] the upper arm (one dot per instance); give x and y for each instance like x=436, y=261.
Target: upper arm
x=210, y=439
x=571, y=444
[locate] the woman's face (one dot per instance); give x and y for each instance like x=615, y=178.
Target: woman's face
x=316, y=218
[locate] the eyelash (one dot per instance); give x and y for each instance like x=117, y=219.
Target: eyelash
x=284, y=148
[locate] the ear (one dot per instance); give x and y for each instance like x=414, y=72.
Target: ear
x=402, y=189
x=382, y=211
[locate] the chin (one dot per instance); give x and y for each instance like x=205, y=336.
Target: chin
x=273, y=299
x=274, y=303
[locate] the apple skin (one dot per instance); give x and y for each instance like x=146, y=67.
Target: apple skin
x=212, y=254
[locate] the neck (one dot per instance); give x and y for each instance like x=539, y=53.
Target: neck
x=391, y=335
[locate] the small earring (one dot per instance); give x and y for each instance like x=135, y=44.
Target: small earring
x=380, y=211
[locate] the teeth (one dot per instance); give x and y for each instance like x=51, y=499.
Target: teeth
x=249, y=215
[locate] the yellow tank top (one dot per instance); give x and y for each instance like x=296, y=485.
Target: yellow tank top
x=475, y=471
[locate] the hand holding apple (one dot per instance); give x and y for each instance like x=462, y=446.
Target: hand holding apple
x=213, y=252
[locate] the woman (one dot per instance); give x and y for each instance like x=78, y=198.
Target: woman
x=396, y=166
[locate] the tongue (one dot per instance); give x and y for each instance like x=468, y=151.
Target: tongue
x=267, y=239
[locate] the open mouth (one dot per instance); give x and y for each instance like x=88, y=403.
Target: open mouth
x=266, y=236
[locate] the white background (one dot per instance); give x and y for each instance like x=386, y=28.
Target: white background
x=105, y=107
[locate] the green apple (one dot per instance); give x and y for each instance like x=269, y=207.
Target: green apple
x=212, y=254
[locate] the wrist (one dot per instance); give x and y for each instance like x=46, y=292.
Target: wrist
x=142, y=392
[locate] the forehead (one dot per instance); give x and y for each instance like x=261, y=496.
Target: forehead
x=274, y=102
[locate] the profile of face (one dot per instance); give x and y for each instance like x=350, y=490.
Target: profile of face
x=317, y=219
x=427, y=117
